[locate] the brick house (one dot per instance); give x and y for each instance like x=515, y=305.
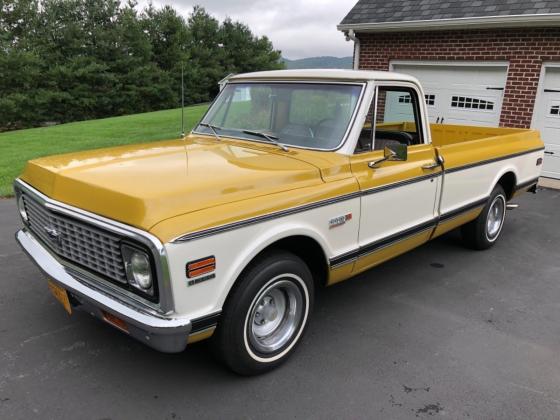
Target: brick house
x=492, y=62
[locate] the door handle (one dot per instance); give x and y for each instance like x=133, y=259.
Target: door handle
x=438, y=162
x=432, y=165
x=548, y=153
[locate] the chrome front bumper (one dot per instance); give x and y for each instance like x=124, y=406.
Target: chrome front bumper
x=162, y=333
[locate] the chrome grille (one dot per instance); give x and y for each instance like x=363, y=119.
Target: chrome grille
x=75, y=241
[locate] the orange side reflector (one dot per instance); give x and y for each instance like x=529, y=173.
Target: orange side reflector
x=201, y=271
x=115, y=321
x=199, y=267
x=201, y=263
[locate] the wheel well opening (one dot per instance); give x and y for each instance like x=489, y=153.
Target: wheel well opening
x=309, y=251
x=508, y=183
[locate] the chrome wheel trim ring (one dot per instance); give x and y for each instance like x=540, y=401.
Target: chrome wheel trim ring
x=288, y=329
x=495, y=218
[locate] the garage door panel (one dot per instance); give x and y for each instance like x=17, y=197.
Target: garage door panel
x=474, y=107
x=551, y=164
x=547, y=120
x=469, y=95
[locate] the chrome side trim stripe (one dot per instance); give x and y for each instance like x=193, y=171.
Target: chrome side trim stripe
x=381, y=243
x=486, y=162
x=400, y=236
x=306, y=207
x=205, y=322
x=527, y=184
x=464, y=209
x=300, y=209
x=264, y=218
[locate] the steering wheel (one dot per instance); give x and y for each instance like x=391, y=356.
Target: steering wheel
x=400, y=136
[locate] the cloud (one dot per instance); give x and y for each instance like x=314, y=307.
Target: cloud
x=300, y=28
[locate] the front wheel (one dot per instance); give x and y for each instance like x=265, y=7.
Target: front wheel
x=484, y=231
x=266, y=314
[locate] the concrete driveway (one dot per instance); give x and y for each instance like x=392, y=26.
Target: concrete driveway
x=440, y=332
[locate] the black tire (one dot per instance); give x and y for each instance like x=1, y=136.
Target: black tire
x=481, y=233
x=274, y=278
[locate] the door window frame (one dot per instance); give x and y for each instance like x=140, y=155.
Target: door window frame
x=419, y=110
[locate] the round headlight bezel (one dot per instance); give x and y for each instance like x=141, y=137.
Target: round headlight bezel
x=138, y=264
x=141, y=270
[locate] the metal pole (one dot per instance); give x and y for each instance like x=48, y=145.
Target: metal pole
x=182, y=100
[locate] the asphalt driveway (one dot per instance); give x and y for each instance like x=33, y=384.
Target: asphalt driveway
x=440, y=332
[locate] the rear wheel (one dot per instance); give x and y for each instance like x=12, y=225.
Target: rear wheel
x=266, y=314
x=484, y=231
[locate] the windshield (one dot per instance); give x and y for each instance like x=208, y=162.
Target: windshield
x=309, y=115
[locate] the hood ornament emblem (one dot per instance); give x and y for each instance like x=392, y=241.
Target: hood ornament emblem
x=54, y=235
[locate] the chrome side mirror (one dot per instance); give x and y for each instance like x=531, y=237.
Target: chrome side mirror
x=394, y=152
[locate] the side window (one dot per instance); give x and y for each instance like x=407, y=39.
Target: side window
x=397, y=117
x=397, y=120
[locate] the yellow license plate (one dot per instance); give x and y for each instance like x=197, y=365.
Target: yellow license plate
x=61, y=295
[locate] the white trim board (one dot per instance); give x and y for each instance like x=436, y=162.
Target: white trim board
x=483, y=22
x=539, y=97
x=450, y=63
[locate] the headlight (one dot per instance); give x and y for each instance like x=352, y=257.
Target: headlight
x=21, y=208
x=138, y=269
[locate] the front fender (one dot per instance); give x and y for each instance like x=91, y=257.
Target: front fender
x=268, y=238
x=235, y=249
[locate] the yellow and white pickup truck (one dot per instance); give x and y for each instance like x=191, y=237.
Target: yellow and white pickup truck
x=292, y=181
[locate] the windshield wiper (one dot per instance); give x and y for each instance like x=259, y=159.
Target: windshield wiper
x=272, y=139
x=214, y=129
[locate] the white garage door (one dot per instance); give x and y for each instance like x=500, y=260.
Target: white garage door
x=460, y=94
x=547, y=119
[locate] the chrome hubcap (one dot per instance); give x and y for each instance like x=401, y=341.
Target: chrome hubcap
x=495, y=217
x=275, y=316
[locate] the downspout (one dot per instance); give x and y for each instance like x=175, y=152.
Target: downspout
x=351, y=36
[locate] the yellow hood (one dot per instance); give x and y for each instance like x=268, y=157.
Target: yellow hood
x=142, y=185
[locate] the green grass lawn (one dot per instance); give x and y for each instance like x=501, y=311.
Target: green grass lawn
x=17, y=147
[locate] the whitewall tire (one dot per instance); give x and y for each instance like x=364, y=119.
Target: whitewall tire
x=266, y=314
x=485, y=230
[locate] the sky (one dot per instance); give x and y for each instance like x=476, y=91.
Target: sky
x=300, y=28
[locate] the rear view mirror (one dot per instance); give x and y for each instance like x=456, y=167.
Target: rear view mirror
x=394, y=152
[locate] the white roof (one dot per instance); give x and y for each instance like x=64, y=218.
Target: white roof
x=324, y=74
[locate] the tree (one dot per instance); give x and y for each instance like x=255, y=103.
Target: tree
x=68, y=60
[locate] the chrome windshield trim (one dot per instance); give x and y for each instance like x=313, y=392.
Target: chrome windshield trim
x=150, y=241
x=344, y=139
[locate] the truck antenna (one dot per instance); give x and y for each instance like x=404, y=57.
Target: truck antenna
x=182, y=100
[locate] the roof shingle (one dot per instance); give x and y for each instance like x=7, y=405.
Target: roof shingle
x=381, y=11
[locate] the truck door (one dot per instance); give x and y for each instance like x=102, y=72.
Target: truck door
x=399, y=198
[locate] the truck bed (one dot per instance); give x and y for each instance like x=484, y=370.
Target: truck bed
x=447, y=134
x=462, y=145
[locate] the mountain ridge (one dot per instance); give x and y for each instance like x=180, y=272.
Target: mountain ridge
x=321, y=62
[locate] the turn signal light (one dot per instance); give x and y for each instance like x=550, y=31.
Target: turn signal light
x=115, y=321
x=202, y=266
